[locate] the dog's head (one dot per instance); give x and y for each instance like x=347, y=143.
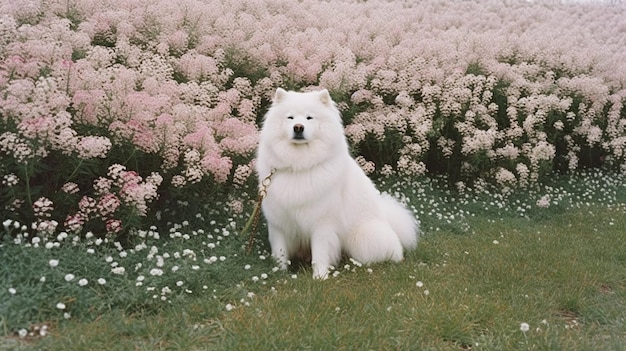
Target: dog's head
x=301, y=130
x=302, y=117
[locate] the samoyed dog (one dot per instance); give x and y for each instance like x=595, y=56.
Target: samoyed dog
x=319, y=203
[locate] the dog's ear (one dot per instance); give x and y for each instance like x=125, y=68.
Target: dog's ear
x=325, y=97
x=279, y=95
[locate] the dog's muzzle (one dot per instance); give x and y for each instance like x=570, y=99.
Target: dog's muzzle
x=298, y=132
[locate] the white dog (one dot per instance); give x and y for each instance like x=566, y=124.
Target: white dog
x=319, y=201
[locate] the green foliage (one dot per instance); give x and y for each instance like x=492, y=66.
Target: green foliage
x=487, y=262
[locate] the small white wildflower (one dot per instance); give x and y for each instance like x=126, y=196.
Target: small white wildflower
x=156, y=271
x=229, y=307
x=69, y=277
x=83, y=282
x=61, y=305
x=246, y=267
x=12, y=291
x=179, y=283
x=524, y=327
x=67, y=315
x=102, y=281
x=118, y=270
x=426, y=292
x=53, y=263
x=419, y=284
x=496, y=242
x=22, y=333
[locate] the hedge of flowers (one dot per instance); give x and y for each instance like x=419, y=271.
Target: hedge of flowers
x=111, y=109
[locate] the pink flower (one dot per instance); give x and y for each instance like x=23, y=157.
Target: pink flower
x=218, y=166
x=93, y=147
x=114, y=226
x=74, y=223
x=108, y=204
x=42, y=207
x=87, y=205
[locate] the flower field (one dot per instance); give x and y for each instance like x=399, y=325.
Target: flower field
x=121, y=116
x=107, y=106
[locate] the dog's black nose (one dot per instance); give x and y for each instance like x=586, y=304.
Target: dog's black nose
x=298, y=132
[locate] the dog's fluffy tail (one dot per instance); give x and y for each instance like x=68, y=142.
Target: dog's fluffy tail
x=402, y=221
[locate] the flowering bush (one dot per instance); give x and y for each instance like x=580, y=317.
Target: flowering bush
x=106, y=106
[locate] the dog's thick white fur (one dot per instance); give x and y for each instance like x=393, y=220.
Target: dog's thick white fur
x=320, y=202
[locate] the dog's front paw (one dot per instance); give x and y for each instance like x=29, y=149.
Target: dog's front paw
x=319, y=272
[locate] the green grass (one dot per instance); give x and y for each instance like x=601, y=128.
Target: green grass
x=484, y=267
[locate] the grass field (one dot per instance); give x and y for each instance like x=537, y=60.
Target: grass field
x=484, y=277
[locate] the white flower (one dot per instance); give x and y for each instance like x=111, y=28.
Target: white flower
x=544, y=201
x=83, y=282
x=53, y=263
x=22, y=332
x=69, y=277
x=229, y=307
x=12, y=291
x=61, y=305
x=524, y=327
x=118, y=270
x=156, y=271
x=102, y=281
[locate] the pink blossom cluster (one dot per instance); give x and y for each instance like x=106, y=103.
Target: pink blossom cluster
x=120, y=194
x=503, y=90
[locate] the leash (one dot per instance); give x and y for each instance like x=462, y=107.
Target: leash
x=253, y=221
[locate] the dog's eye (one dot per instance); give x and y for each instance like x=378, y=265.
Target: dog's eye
x=289, y=117
x=309, y=117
